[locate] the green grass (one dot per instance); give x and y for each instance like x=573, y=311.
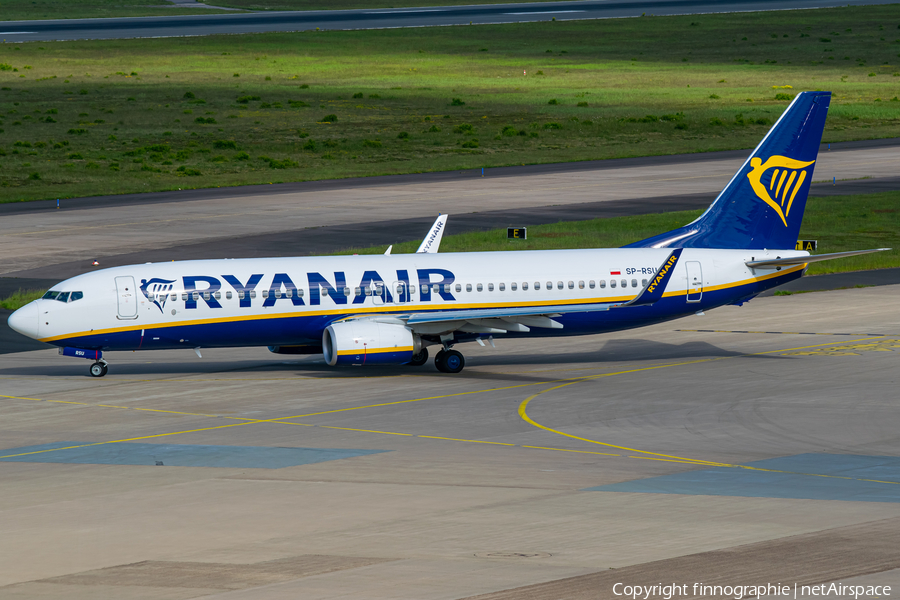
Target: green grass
x=22, y=10
x=20, y=298
x=839, y=223
x=103, y=117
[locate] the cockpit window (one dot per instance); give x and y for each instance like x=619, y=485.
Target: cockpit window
x=63, y=297
x=76, y=296
x=51, y=295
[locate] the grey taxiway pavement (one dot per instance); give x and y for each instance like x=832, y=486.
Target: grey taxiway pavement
x=751, y=445
x=192, y=25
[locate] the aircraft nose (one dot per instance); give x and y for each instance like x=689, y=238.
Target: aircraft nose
x=26, y=320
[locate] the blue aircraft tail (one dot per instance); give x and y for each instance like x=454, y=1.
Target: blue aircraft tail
x=762, y=206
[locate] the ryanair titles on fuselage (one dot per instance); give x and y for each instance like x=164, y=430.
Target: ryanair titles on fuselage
x=428, y=280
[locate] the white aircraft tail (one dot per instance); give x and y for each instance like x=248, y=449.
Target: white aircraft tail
x=432, y=241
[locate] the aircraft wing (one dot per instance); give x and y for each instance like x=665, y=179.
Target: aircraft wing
x=800, y=260
x=432, y=241
x=496, y=320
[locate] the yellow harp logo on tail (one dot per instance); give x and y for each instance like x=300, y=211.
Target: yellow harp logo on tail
x=786, y=180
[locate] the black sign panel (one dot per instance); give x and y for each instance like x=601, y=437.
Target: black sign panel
x=807, y=245
x=515, y=233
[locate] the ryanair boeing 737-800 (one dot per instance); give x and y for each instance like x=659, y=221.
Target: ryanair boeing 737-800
x=387, y=309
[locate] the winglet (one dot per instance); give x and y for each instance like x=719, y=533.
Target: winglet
x=388, y=251
x=654, y=289
x=432, y=241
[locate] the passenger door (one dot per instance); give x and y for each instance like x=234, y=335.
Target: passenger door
x=694, y=281
x=127, y=297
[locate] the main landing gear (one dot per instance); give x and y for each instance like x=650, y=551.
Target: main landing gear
x=99, y=368
x=449, y=361
x=419, y=359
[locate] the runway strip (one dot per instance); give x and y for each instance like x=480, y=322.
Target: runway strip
x=193, y=25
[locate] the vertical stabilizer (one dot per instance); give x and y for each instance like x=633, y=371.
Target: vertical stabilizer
x=762, y=206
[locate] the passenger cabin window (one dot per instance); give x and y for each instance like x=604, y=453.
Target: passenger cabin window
x=572, y=285
x=218, y=295
x=512, y=286
x=174, y=296
x=468, y=287
x=241, y=295
x=265, y=293
x=502, y=287
x=634, y=283
x=458, y=287
x=424, y=288
x=324, y=292
x=228, y=295
x=550, y=285
x=253, y=293
x=524, y=286
x=580, y=285
x=184, y=295
x=490, y=287
x=612, y=283
x=643, y=283
x=479, y=287
x=591, y=284
x=624, y=283
x=446, y=288
x=602, y=283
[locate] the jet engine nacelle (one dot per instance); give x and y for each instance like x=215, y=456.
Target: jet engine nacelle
x=365, y=342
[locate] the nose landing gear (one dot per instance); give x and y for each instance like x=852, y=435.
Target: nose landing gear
x=99, y=368
x=449, y=361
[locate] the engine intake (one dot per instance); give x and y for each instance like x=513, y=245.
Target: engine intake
x=366, y=342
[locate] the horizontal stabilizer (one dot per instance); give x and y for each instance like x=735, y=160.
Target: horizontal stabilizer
x=654, y=289
x=801, y=260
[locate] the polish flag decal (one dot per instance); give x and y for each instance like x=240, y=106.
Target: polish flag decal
x=615, y=272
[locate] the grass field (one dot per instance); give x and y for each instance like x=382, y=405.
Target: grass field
x=20, y=298
x=22, y=10
x=839, y=223
x=104, y=117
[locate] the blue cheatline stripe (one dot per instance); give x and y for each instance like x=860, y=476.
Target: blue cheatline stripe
x=178, y=455
x=847, y=477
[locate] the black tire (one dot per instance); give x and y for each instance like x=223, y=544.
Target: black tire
x=98, y=369
x=419, y=359
x=449, y=361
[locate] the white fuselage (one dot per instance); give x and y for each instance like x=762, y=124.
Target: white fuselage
x=282, y=301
